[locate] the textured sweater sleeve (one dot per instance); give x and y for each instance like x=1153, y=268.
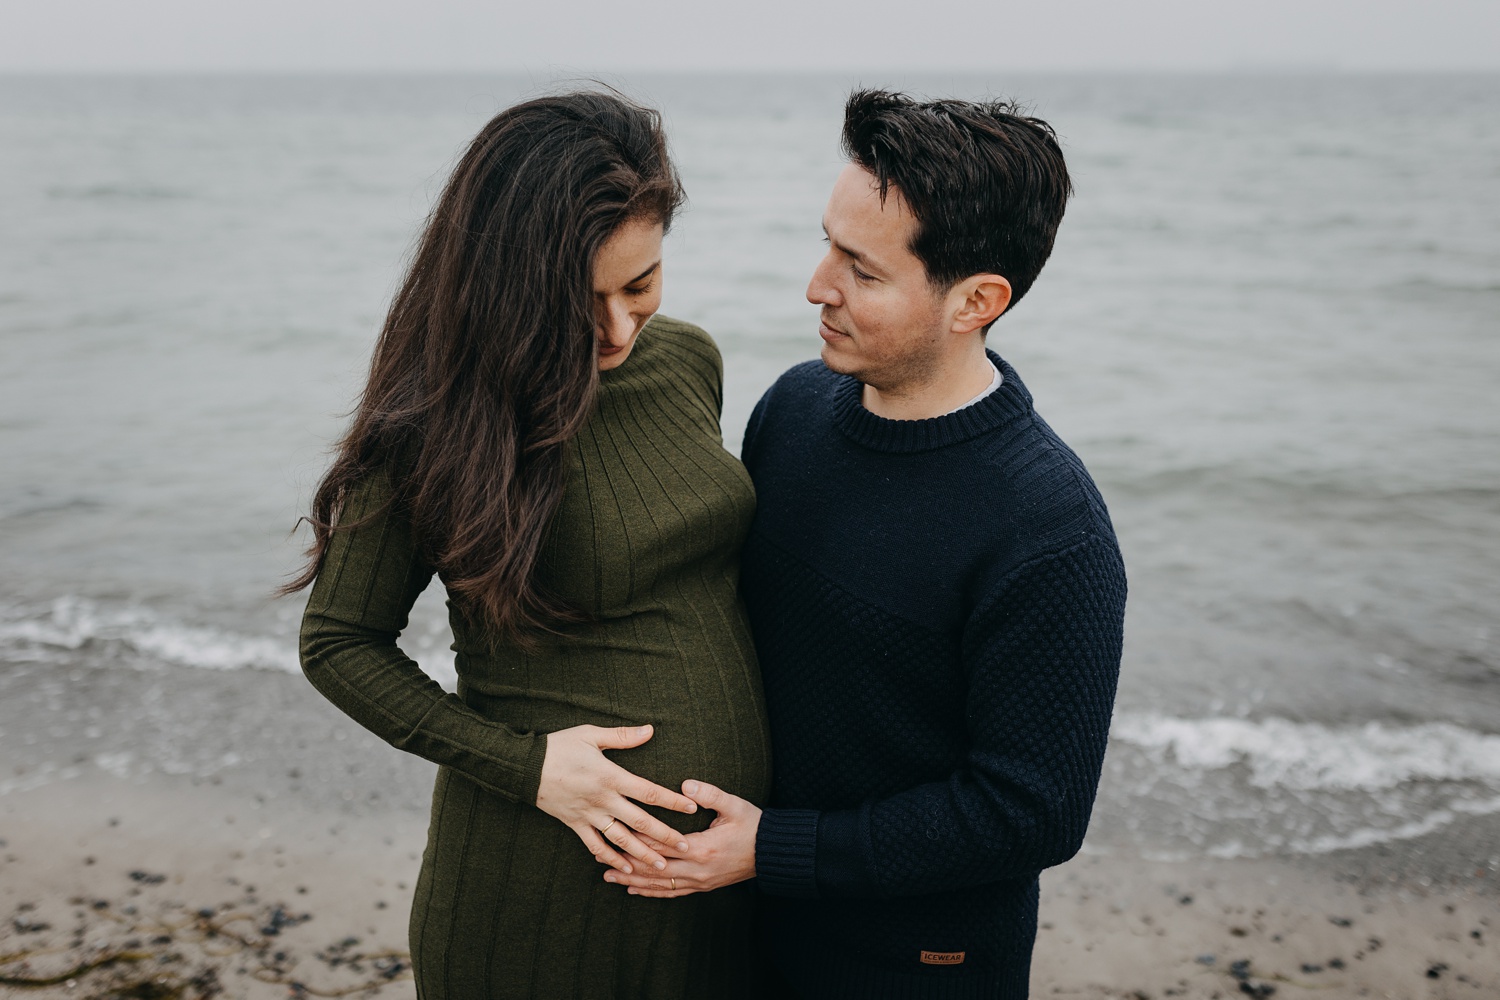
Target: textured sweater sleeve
x=748, y=452
x=1042, y=658
x=370, y=578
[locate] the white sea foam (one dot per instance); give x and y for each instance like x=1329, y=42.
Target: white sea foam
x=71, y=623
x=200, y=647
x=1309, y=756
x=139, y=637
x=1435, y=820
x=46, y=773
x=1237, y=788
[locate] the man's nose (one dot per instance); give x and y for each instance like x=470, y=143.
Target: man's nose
x=821, y=290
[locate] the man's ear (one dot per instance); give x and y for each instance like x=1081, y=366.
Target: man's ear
x=982, y=298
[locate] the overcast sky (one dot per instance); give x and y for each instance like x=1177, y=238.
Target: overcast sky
x=804, y=35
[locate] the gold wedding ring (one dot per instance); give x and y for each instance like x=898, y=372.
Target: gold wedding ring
x=674, y=884
x=612, y=821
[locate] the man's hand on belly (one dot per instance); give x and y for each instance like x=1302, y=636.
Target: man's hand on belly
x=721, y=855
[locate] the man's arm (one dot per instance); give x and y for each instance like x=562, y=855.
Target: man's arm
x=1043, y=658
x=748, y=453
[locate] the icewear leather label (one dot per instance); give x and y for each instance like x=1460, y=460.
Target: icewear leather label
x=943, y=957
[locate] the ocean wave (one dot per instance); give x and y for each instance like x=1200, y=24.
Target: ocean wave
x=79, y=630
x=1436, y=287
x=1245, y=788
x=72, y=624
x=1292, y=487
x=116, y=192
x=1309, y=756
x=1371, y=836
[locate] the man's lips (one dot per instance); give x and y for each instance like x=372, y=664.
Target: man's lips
x=829, y=333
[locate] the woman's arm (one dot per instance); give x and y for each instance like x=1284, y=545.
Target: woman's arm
x=360, y=603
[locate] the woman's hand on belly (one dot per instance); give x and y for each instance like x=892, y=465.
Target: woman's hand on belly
x=721, y=855
x=591, y=795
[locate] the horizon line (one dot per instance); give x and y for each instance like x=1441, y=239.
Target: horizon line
x=1248, y=69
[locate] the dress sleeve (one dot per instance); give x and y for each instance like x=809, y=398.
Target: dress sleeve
x=371, y=576
x=1042, y=658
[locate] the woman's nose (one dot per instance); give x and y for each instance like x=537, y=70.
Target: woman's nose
x=615, y=322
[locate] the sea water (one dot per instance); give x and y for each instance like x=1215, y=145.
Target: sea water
x=1269, y=328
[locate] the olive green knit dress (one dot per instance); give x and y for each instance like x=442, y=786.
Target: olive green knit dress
x=509, y=902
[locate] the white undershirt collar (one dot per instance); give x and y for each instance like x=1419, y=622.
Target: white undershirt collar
x=994, y=384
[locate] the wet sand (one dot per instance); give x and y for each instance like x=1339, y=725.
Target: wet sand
x=115, y=889
x=280, y=857
x=1130, y=929
x=196, y=890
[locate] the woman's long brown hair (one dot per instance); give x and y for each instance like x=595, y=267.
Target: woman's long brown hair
x=486, y=367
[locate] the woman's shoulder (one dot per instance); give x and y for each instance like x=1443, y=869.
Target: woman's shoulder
x=686, y=344
x=683, y=336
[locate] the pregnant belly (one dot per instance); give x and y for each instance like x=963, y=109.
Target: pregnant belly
x=708, y=724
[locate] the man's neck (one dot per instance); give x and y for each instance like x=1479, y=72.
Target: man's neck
x=943, y=391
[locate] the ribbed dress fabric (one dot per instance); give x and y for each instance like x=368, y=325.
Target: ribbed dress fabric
x=509, y=903
x=938, y=607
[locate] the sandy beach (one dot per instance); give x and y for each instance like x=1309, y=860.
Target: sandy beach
x=1118, y=928
x=108, y=887
x=279, y=859
x=198, y=893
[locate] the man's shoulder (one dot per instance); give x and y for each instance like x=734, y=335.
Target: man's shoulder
x=791, y=412
x=1049, y=496
x=806, y=378
x=801, y=386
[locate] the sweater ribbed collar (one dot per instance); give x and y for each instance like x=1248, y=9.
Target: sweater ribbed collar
x=1000, y=407
x=641, y=360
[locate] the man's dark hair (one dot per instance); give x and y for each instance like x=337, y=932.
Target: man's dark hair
x=986, y=183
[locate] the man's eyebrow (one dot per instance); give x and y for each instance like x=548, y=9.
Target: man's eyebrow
x=847, y=251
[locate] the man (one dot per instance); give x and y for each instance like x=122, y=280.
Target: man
x=935, y=588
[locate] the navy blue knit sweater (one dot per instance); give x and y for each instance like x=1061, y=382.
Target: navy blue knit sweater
x=938, y=608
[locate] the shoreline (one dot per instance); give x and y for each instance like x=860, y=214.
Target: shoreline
x=168, y=817
x=195, y=888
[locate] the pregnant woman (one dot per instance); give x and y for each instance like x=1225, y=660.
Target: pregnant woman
x=531, y=435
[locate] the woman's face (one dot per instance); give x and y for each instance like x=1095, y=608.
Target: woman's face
x=627, y=287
